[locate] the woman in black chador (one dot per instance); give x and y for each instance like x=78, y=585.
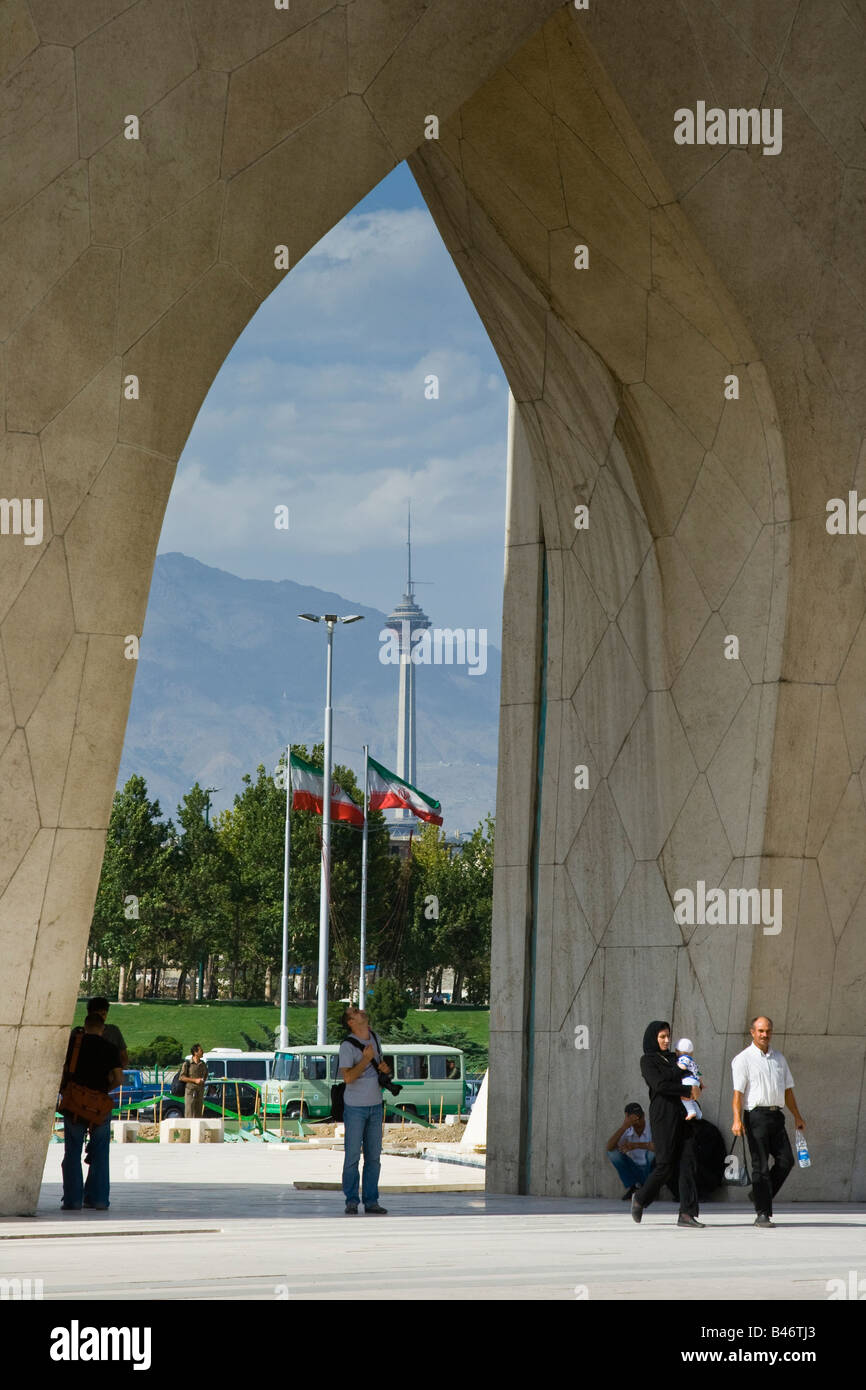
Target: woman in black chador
x=675, y=1159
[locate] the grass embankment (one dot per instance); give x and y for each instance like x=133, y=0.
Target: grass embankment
x=223, y=1025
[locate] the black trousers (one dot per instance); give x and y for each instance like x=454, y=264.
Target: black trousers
x=675, y=1161
x=768, y=1138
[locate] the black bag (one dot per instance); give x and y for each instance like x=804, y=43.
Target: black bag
x=737, y=1174
x=178, y=1086
x=709, y=1158
x=338, y=1090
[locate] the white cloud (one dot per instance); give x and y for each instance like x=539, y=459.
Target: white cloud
x=321, y=406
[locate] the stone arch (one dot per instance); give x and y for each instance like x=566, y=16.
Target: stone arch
x=263, y=127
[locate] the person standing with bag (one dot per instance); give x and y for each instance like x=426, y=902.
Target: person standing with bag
x=91, y=1070
x=360, y=1059
x=193, y=1075
x=763, y=1086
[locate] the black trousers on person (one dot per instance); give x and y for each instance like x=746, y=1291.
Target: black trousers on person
x=768, y=1138
x=675, y=1156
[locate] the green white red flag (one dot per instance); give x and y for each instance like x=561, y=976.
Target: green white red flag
x=385, y=790
x=307, y=794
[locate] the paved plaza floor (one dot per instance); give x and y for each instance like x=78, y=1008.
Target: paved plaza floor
x=227, y=1222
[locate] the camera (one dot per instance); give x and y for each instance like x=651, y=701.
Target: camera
x=387, y=1084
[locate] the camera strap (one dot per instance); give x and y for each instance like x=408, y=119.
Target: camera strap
x=356, y=1042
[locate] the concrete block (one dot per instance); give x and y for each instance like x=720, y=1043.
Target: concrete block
x=175, y=1131
x=204, y=1130
x=125, y=1131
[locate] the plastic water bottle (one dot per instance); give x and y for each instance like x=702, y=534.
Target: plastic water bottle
x=802, y=1152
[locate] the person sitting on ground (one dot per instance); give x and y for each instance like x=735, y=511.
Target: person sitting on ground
x=630, y=1149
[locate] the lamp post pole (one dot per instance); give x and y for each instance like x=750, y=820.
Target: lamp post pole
x=362, y=984
x=200, y=986
x=284, y=972
x=330, y=620
x=325, y=877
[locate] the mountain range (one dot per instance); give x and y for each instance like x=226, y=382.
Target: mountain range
x=228, y=675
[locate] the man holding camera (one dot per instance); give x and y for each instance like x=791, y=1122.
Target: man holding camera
x=360, y=1064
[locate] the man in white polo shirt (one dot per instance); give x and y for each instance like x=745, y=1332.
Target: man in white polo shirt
x=764, y=1084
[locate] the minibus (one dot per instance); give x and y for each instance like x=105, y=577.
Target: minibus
x=433, y=1080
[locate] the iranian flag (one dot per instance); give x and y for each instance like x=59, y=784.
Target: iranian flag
x=387, y=790
x=307, y=783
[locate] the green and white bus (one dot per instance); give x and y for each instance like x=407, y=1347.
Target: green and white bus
x=433, y=1079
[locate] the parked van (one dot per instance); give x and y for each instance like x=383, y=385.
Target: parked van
x=432, y=1077
x=237, y=1065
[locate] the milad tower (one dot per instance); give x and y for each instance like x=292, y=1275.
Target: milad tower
x=406, y=619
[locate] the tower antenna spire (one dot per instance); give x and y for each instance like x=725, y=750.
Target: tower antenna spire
x=408, y=620
x=409, y=591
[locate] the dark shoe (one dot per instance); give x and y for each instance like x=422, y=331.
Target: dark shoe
x=64, y=1207
x=629, y=1193
x=96, y=1206
x=636, y=1210
x=376, y=1210
x=691, y=1221
x=351, y=1208
x=751, y=1194
x=762, y=1219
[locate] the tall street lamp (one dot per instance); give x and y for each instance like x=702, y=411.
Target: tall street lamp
x=200, y=990
x=330, y=620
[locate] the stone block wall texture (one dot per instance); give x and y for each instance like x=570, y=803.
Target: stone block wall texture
x=261, y=127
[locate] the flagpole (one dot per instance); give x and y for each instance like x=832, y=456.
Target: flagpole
x=284, y=975
x=325, y=877
x=362, y=983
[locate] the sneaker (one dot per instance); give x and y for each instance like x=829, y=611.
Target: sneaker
x=762, y=1219
x=691, y=1221
x=351, y=1208
x=636, y=1210
x=376, y=1210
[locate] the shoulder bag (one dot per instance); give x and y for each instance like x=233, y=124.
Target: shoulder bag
x=83, y=1103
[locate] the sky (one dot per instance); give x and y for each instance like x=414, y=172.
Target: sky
x=320, y=407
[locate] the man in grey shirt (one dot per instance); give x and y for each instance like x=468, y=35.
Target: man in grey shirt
x=362, y=1112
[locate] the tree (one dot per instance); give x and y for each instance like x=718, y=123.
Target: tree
x=452, y=907
x=251, y=837
x=201, y=911
x=465, y=932
x=388, y=1006
x=252, y=834
x=132, y=902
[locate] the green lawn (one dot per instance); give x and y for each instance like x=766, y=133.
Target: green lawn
x=221, y=1025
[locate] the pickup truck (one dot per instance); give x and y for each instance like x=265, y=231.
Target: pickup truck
x=137, y=1091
